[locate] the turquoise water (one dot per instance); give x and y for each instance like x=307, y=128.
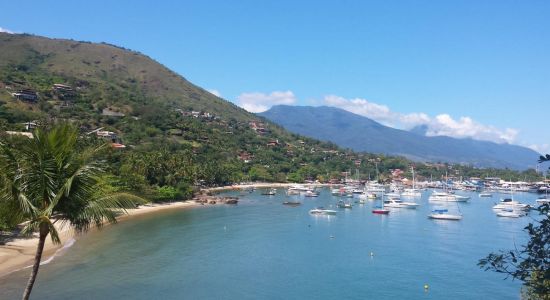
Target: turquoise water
x=261, y=249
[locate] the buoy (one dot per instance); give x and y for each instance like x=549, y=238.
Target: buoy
x=372, y=254
x=426, y=286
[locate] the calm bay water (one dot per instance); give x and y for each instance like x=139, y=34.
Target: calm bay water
x=261, y=249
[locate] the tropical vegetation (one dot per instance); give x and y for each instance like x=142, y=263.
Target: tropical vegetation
x=50, y=181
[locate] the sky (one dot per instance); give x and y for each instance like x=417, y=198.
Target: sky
x=467, y=69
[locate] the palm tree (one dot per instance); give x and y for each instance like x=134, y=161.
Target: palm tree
x=47, y=179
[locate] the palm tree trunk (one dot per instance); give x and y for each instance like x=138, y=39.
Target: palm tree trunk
x=44, y=230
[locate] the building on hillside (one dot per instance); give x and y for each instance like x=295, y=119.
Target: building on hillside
x=245, y=156
x=22, y=133
x=108, y=135
x=31, y=125
x=26, y=95
x=273, y=143
x=111, y=113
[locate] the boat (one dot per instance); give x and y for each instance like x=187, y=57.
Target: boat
x=485, y=194
x=337, y=192
x=372, y=196
x=311, y=193
x=411, y=193
x=414, y=192
x=342, y=204
x=322, y=211
x=292, y=203
x=397, y=203
x=231, y=200
x=443, y=214
x=394, y=195
x=380, y=211
x=543, y=200
x=269, y=192
x=511, y=204
x=510, y=213
x=446, y=197
x=292, y=192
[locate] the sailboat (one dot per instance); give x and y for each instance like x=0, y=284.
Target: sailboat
x=380, y=209
x=412, y=192
x=443, y=214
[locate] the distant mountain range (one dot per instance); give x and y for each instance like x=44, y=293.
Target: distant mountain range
x=359, y=133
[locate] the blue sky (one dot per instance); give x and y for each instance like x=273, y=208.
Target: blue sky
x=476, y=69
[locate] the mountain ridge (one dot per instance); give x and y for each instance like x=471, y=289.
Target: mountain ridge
x=359, y=133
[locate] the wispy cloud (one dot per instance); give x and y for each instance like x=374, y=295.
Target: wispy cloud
x=259, y=102
x=542, y=148
x=442, y=124
x=215, y=93
x=6, y=30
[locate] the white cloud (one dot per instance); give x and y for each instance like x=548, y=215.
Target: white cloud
x=260, y=102
x=6, y=30
x=443, y=124
x=542, y=148
x=465, y=127
x=215, y=93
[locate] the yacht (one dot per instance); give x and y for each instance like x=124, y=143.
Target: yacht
x=311, y=193
x=342, y=204
x=443, y=214
x=411, y=193
x=446, y=197
x=510, y=213
x=511, y=204
x=485, y=194
x=322, y=211
x=397, y=203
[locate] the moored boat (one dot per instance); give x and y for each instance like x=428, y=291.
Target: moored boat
x=510, y=213
x=322, y=211
x=380, y=211
x=443, y=214
x=511, y=204
x=292, y=203
x=269, y=192
x=446, y=197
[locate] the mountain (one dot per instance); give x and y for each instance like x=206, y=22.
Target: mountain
x=106, y=76
x=363, y=134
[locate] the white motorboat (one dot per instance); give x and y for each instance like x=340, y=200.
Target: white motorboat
x=270, y=192
x=510, y=213
x=393, y=195
x=446, y=197
x=311, y=194
x=443, y=214
x=511, y=204
x=543, y=200
x=411, y=193
x=485, y=195
x=322, y=211
x=397, y=203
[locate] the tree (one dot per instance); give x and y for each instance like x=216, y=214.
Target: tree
x=50, y=179
x=531, y=263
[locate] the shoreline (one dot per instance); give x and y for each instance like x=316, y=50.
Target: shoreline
x=19, y=253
